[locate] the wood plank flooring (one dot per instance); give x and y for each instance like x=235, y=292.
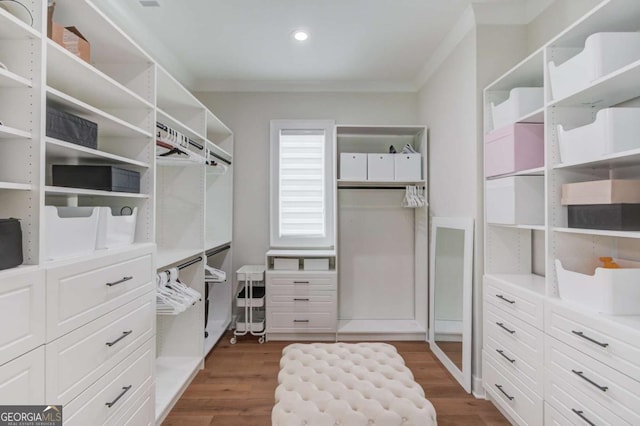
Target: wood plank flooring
x=237, y=385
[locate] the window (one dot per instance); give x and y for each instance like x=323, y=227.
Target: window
x=302, y=186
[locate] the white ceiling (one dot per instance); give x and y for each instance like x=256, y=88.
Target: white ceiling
x=247, y=44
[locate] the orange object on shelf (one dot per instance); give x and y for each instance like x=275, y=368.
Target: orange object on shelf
x=609, y=263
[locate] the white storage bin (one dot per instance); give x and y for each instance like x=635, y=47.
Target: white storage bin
x=407, y=167
x=522, y=101
x=380, y=167
x=614, y=130
x=353, y=166
x=610, y=291
x=285, y=264
x=603, y=54
x=115, y=231
x=70, y=231
x=515, y=200
x=316, y=264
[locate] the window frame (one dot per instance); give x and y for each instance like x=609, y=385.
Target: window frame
x=328, y=241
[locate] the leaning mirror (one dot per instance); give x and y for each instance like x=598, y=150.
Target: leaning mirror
x=450, y=293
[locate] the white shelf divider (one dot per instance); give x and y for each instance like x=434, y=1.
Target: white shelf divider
x=599, y=232
x=16, y=186
x=531, y=227
x=10, y=79
x=173, y=375
x=12, y=27
x=7, y=132
x=58, y=190
x=57, y=149
x=531, y=282
x=387, y=184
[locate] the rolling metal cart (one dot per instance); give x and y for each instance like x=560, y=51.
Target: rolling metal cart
x=251, y=297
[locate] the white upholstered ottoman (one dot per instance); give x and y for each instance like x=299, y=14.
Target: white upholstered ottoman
x=348, y=384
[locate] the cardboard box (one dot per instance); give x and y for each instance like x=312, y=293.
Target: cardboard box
x=611, y=191
x=72, y=40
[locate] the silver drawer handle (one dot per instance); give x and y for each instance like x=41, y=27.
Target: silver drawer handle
x=295, y=320
x=301, y=299
x=581, y=334
x=501, y=325
x=499, y=296
x=123, y=280
x=511, y=398
x=301, y=282
x=124, y=390
x=124, y=334
x=580, y=414
x=588, y=380
x=501, y=352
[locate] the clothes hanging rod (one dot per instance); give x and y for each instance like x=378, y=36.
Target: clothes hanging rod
x=196, y=144
x=224, y=160
x=218, y=250
x=191, y=262
x=373, y=187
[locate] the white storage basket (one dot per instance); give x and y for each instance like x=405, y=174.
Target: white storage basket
x=70, y=231
x=603, y=54
x=614, y=130
x=115, y=231
x=609, y=291
x=522, y=101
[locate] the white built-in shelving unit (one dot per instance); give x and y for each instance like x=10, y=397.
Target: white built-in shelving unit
x=538, y=385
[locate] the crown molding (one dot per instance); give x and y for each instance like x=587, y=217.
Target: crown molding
x=302, y=86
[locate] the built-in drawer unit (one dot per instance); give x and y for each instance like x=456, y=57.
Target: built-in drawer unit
x=79, y=358
x=288, y=284
x=302, y=321
x=596, y=336
x=552, y=417
x=140, y=412
x=114, y=392
x=314, y=301
x=522, y=303
x=22, y=380
x=594, y=380
x=22, y=311
x=81, y=292
x=517, y=400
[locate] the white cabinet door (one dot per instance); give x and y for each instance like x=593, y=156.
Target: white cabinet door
x=22, y=380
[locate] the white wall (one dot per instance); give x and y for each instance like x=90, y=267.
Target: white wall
x=248, y=115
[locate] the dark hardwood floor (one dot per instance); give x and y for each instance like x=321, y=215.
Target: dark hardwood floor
x=236, y=387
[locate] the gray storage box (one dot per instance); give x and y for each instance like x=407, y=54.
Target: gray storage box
x=71, y=128
x=103, y=178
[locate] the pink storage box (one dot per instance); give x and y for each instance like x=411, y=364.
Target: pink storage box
x=615, y=191
x=514, y=148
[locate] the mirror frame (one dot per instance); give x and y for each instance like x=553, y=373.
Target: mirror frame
x=465, y=224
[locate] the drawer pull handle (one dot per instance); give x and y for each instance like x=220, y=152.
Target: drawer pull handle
x=301, y=282
x=124, y=390
x=501, y=352
x=124, y=334
x=501, y=325
x=295, y=320
x=588, y=380
x=511, y=398
x=580, y=414
x=123, y=280
x=301, y=299
x=499, y=296
x=581, y=334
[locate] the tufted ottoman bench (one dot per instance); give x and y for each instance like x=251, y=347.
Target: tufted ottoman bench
x=348, y=384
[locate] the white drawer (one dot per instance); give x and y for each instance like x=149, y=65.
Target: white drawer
x=107, y=397
x=304, y=322
x=22, y=380
x=317, y=301
x=79, y=358
x=80, y=292
x=552, y=417
x=139, y=412
x=524, y=406
x=22, y=301
x=607, y=387
x=526, y=305
x=515, y=335
x=301, y=282
x=615, y=345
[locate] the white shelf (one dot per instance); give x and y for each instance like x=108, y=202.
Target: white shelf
x=387, y=184
x=301, y=253
x=166, y=258
x=216, y=128
x=538, y=171
x=531, y=227
x=12, y=28
x=108, y=125
x=618, y=159
x=58, y=150
x=379, y=326
x=59, y=190
x=214, y=244
x=135, y=250
x=173, y=375
x=175, y=124
x=531, y=282
x=16, y=186
x=171, y=94
x=536, y=116
x=527, y=73
x=599, y=232
x=7, y=132
x=88, y=83
x=629, y=321
x=181, y=161
x=216, y=330
x=18, y=270
x=10, y=79
x=219, y=151
x=380, y=131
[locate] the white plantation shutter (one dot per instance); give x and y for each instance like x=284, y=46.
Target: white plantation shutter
x=302, y=185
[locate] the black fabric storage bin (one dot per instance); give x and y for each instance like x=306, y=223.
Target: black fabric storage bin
x=71, y=128
x=613, y=217
x=10, y=243
x=104, y=178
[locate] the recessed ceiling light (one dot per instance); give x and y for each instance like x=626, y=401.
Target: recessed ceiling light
x=300, y=35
